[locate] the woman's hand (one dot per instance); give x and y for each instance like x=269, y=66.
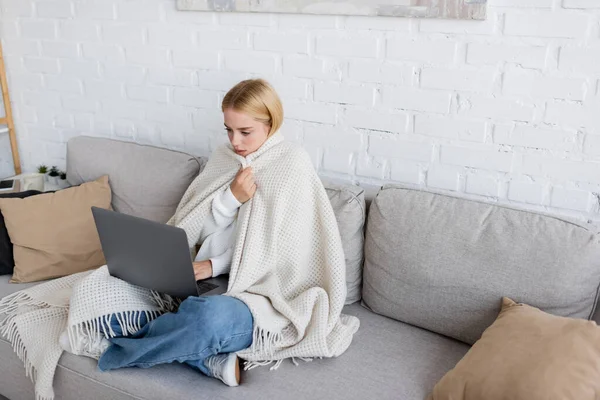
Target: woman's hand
x=202, y=269
x=243, y=186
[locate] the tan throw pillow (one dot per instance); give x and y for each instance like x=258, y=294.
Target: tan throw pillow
x=527, y=354
x=54, y=234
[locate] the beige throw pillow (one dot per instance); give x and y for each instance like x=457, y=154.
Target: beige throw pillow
x=527, y=354
x=54, y=234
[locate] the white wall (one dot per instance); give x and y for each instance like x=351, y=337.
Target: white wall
x=508, y=108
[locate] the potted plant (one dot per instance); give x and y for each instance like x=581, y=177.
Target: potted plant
x=62, y=183
x=43, y=169
x=53, y=175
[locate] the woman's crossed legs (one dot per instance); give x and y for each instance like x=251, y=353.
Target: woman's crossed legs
x=201, y=328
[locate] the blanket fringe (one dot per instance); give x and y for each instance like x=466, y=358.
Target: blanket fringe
x=165, y=302
x=10, y=303
x=11, y=333
x=95, y=329
x=305, y=359
x=264, y=342
x=277, y=365
x=250, y=365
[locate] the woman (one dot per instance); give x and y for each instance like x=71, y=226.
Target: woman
x=286, y=285
x=248, y=126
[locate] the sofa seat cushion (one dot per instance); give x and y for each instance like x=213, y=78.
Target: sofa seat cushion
x=387, y=359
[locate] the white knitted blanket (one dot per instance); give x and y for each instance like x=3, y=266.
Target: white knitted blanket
x=74, y=311
x=288, y=264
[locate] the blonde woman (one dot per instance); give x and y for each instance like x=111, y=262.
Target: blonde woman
x=286, y=284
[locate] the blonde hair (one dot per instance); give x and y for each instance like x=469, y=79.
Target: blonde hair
x=257, y=98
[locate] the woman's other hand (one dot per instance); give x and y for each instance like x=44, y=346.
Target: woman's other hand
x=243, y=186
x=202, y=269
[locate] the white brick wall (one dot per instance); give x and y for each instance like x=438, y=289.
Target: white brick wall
x=507, y=108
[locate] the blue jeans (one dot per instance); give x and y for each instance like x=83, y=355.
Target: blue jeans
x=201, y=327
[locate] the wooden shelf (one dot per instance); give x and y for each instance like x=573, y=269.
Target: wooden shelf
x=8, y=120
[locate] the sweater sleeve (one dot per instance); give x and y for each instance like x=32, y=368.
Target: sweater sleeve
x=224, y=209
x=221, y=264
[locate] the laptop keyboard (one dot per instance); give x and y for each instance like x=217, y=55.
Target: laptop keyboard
x=205, y=287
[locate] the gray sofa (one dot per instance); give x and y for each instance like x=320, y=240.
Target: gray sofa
x=435, y=269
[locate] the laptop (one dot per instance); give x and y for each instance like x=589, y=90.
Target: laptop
x=151, y=255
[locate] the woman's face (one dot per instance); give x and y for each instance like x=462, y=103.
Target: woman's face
x=245, y=133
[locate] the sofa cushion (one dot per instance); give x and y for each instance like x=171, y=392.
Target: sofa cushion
x=7, y=262
x=444, y=263
x=527, y=354
x=54, y=234
x=348, y=202
x=387, y=359
x=147, y=181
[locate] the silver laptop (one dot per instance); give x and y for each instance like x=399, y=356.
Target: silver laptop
x=151, y=255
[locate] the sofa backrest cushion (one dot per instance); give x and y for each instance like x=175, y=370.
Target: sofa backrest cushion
x=444, y=263
x=146, y=181
x=348, y=202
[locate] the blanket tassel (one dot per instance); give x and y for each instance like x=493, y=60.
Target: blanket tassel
x=90, y=333
x=305, y=359
x=265, y=342
x=250, y=365
x=11, y=333
x=10, y=303
x=165, y=302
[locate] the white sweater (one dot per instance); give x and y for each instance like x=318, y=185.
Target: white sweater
x=217, y=236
